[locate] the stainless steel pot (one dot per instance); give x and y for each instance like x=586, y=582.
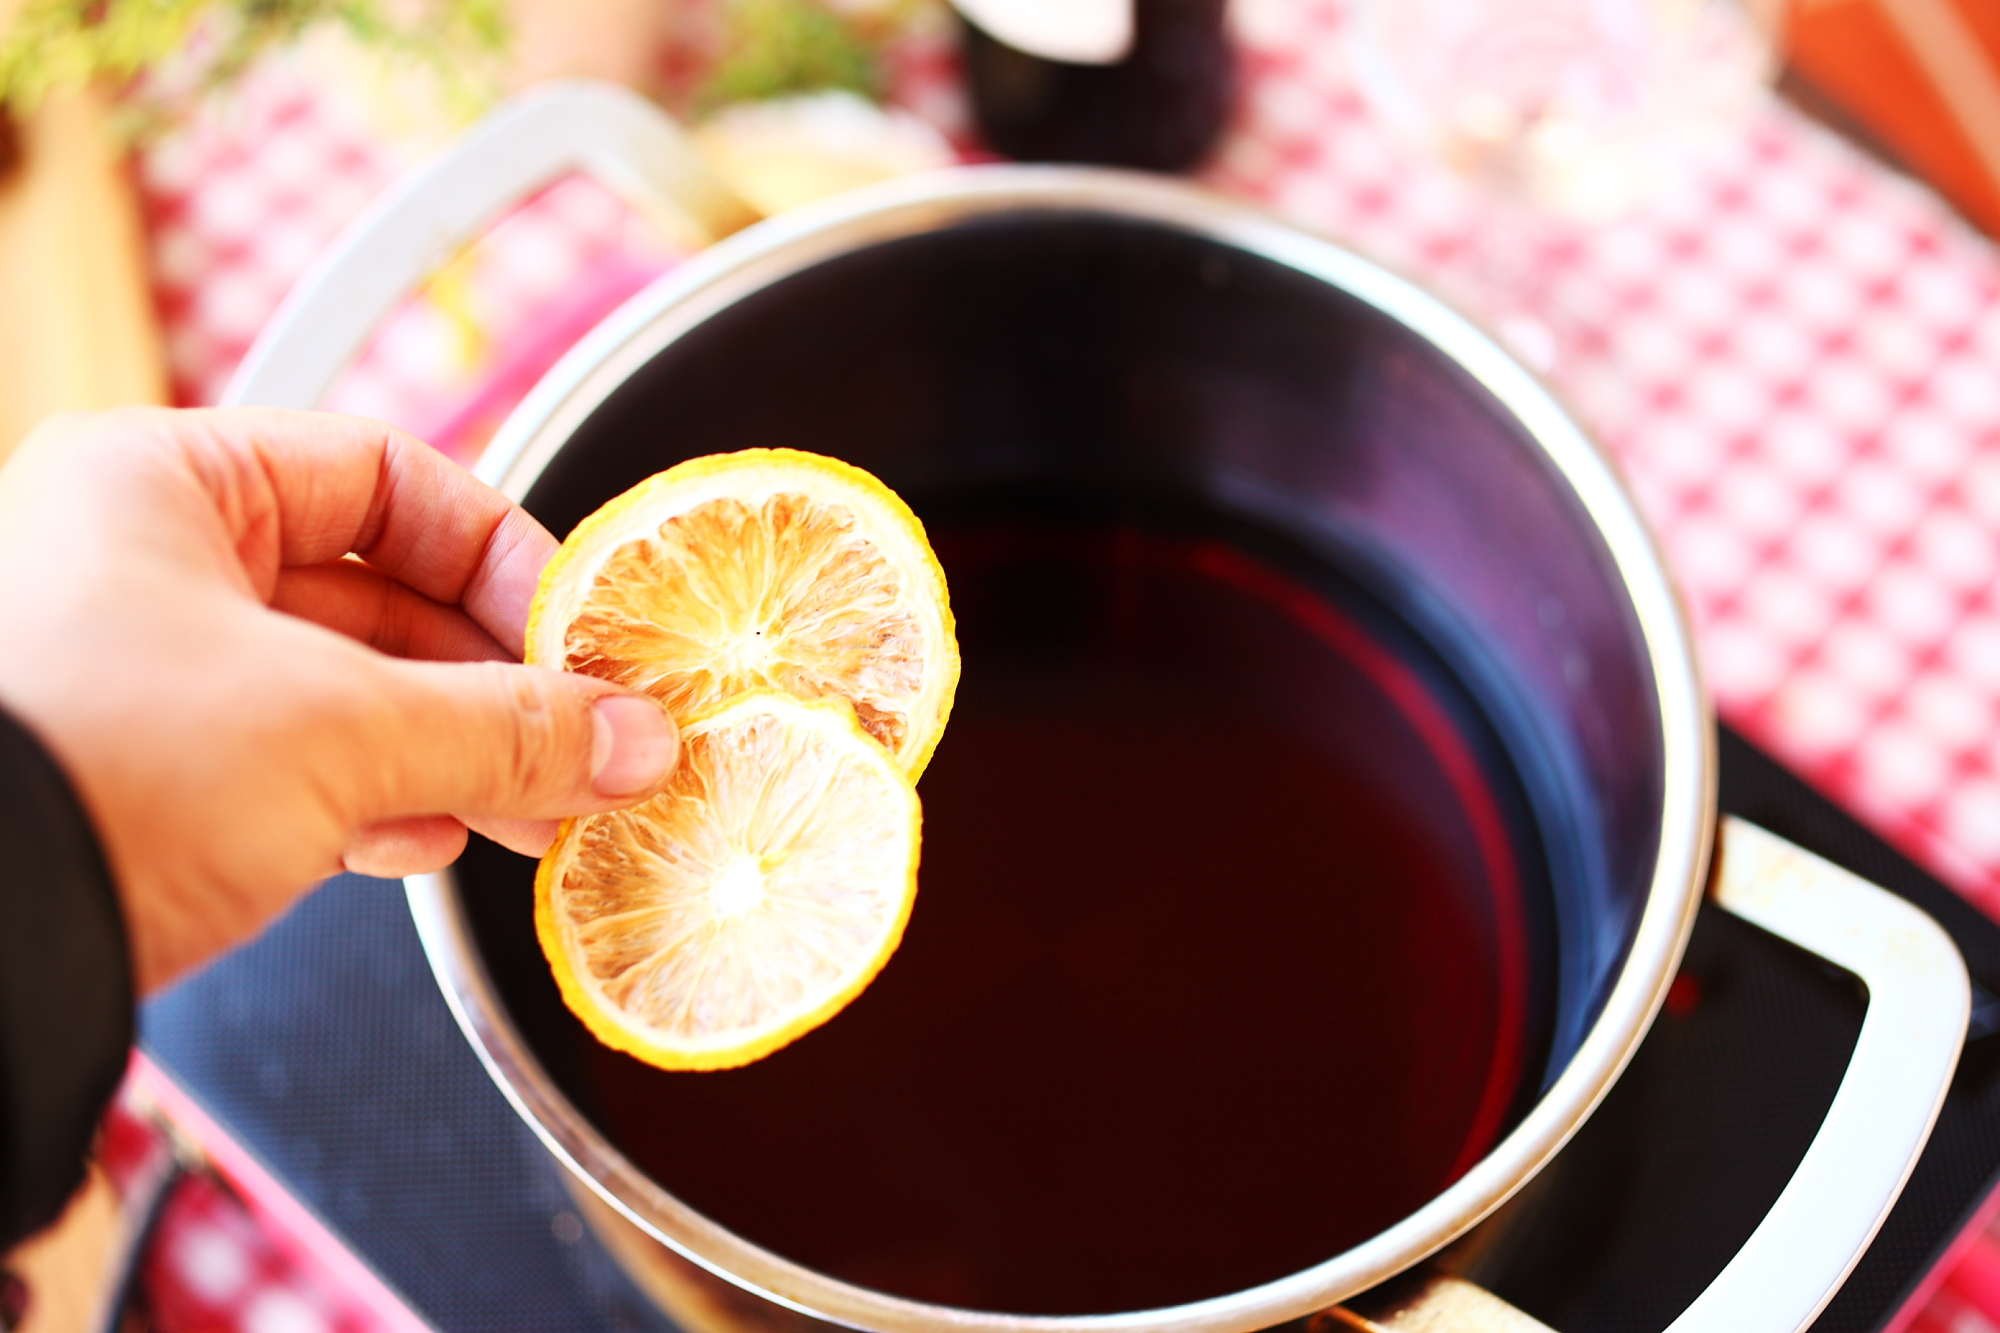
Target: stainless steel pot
x=1321, y=394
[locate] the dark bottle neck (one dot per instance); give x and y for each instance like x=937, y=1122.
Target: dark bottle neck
x=1161, y=108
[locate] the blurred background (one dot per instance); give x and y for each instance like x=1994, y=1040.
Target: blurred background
x=1750, y=243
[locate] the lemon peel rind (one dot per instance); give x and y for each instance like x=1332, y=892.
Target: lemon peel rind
x=604, y=1023
x=567, y=579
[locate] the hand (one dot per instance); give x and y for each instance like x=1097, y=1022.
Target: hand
x=266, y=645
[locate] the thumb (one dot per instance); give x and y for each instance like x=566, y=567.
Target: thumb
x=513, y=742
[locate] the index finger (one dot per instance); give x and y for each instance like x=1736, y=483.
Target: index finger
x=341, y=485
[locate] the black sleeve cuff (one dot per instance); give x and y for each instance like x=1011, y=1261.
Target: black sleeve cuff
x=65, y=986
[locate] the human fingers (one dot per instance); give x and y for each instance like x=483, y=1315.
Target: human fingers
x=397, y=847
x=496, y=740
x=355, y=600
x=529, y=837
x=366, y=605
x=316, y=487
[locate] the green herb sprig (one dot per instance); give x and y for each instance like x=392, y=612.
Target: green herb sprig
x=774, y=48
x=53, y=44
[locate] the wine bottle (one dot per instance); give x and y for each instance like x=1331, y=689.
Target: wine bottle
x=1132, y=83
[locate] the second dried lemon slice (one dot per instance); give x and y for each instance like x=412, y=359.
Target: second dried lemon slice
x=745, y=904
x=766, y=568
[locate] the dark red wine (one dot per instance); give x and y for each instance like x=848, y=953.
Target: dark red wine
x=1216, y=968
x=1161, y=107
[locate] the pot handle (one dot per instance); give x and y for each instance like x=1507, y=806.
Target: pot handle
x=1918, y=1002
x=1796, y=1259
x=557, y=128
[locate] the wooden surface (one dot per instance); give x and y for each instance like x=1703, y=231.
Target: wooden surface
x=66, y=1267
x=1921, y=77
x=76, y=328
x=1432, y=1304
x=77, y=331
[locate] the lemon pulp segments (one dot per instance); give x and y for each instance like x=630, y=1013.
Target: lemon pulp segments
x=767, y=568
x=747, y=902
x=789, y=612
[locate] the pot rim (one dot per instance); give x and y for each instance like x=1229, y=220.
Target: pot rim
x=761, y=255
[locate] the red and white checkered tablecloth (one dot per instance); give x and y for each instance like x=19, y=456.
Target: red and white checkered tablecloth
x=241, y=200
x=230, y=1250
x=1793, y=353
x=1795, y=357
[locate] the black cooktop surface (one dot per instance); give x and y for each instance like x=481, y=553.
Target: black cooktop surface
x=327, y=1049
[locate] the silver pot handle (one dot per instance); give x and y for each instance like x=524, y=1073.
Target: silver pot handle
x=606, y=132
x=1918, y=1002
x=1918, y=995
x=1881, y=1116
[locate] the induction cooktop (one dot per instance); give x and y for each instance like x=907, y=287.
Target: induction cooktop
x=326, y=1050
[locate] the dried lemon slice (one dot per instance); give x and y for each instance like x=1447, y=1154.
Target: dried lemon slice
x=745, y=904
x=766, y=568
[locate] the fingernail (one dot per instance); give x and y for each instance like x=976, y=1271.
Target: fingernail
x=634, y=747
